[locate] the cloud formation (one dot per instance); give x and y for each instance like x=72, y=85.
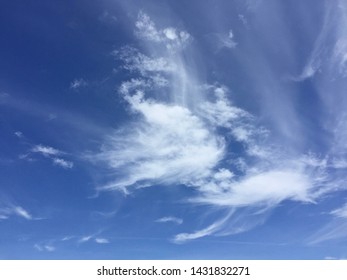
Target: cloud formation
x=187, y=132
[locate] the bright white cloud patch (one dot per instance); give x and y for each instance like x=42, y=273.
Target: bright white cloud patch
x=266, y=188
x=169, y=146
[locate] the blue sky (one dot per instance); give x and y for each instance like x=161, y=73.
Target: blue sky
x=173, y=129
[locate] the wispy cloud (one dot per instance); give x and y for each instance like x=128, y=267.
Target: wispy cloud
x=98, y=240
x=22, y=213
x=78, y=83
x=51, y=153
x=19, y=134
x=329, y=54
x=211, y=229
x=336, y=229
x=170, y=219
x=44, y=248
x=9, y=210
x=170, y=37
x=45, y=150
x=135, y=61
x=102, y=240
x=67, y=238
x=340, y=212
x=85, y=238
x=63, y=163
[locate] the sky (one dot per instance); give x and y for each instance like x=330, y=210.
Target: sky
x=173, y=129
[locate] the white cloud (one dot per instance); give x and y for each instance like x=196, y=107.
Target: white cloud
x=67, y=238
x=336, y=229
x=45, y=150
x=85, y=238
x=135, y=61
x=221, y=40
x=266, y=188
x=329, y=54
x=146, y=28
x=173, y=141
x=172, y=38
x=38, y=247
x=63, y=163
x=22, y=213
x=47, y=248
x=78, y=83
x=169, y=145
x=170, y=219
x=340, y=212
x=12, y=210
x=228, y=40
x=243, y=19
x=102, y=240
x=220, y=112
x=91, y=237
x=211, y=229
x=339, y=163
x=19, y=134
x=50, y=153
x=170, y=33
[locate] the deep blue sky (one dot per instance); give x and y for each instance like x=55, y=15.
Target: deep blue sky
x=173, y=129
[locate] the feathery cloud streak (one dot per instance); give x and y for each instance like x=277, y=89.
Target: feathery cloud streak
x=12, y=210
